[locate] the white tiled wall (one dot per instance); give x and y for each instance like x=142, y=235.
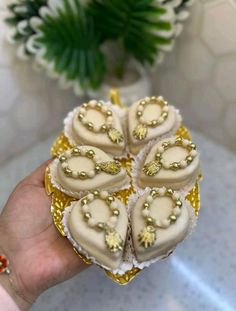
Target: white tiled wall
x=198, y=77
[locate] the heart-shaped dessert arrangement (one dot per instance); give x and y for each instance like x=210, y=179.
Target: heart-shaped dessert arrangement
x=124, y=184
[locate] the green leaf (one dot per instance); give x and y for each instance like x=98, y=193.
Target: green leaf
x=136, y=23
x=72, y=44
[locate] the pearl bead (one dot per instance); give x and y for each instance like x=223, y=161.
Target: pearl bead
x=165, y=223
x=74, y=174
x=113, y=219
x=85, y=121
x=149, y=199
x=104, y=194
x=176, y=211
x=96, y=128
x=161, y=120
x=183, y=163
x=160, y=98
x=141, y=120
x=140, y=108
x=68, y=153
x=166, y=109
x=85, y=208
x=165, y=164
x=158, y=223
x=82, y=110
x=175, y=195
x=90, y=197
x=185, y=142
x=145, y=212
x=162, y=191
x=114, y=205
x=109, y=119
x=91, y=222
x=92, y=103
x=104, y=108
x=83, y=151
x=193, y=153
x=91, y=174
x=160, y=149
x=64, y=165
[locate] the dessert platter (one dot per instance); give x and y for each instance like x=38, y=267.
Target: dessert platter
x=124, y=183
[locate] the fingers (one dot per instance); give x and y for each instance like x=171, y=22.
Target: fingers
x=37, y=176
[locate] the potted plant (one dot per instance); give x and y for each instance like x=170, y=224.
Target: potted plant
x=92, y=46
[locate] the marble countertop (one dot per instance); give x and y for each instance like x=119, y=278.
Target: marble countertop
x=200, y=275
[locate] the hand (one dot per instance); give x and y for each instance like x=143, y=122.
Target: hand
x=40, y=257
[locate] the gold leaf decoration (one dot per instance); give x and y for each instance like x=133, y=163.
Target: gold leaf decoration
x=110, y=167
x=147, y=236
x=113, y=240
x=115, y=136
x=152, y=168
x=140, y=132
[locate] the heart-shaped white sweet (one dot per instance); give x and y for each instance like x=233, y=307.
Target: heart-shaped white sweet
x=166, y=177
x=102, y=180
x=166, y=238
x=152, y=111
x=92, y=240
x=83, y=136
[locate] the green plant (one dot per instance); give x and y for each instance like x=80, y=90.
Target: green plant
x=69, y=40
x=72, y=45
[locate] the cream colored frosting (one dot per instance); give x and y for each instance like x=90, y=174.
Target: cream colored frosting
x=166, y=177
x=83, y=136
x=91, y=240
x=152, y=111
x=98, y=182
x=166, y=239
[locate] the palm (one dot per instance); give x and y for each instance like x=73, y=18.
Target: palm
x=45, y=256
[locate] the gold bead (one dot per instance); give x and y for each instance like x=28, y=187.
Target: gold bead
x=173, y=218
x=146, y=205
x=158, y=156
x=149, y=220
x=165, y=144
x=189, y=159
x=83, y=175
x=90, y=126
x=143, y=102
x=62, y=158
x=164, y=115
x=178, y=203
x=87, y=215
x=90, y=154
x=153, y=98
x=110, y=198
x=153, y=193
x=179, y=140
x=68, y=171
x=193, y=146
x=76, y=151
x=101, y=225
x=85, y=105
x=96, y=193
x=139, y=113
x=116, y=212
x=103, y=128
x=80, y=116
x=154, y=123
x=109, y=113
x=84, y=201
x=99, y=105
x=174, y=166
x=97, y=168
x=169, y=191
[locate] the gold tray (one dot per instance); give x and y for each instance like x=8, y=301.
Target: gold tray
x=60, y=200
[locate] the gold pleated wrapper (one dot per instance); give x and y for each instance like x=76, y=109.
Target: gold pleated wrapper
x=60, y=200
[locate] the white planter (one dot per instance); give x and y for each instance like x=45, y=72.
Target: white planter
x=136, y=85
